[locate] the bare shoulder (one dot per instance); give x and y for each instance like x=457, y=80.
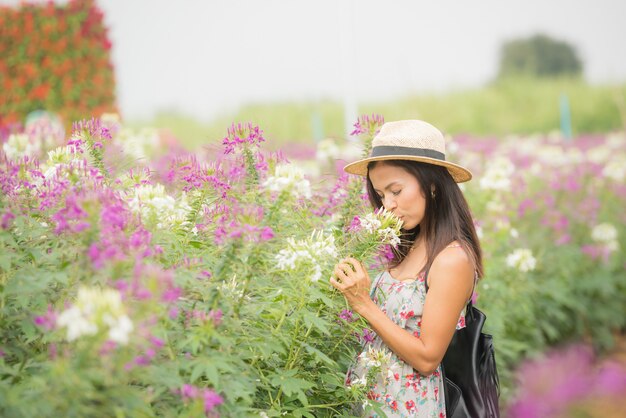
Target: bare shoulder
x=453, y=255
x=452, y=264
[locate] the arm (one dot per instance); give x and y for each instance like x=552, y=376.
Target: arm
x=451, y=280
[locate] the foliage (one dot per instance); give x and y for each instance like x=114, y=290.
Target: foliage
x=521, y=105
x=177, y=284
x=54, y=57
x=176, y=289
x=550, y=214
x=539, y=56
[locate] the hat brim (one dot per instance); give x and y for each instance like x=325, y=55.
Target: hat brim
x=458, y=173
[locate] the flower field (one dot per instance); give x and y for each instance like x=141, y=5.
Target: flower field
x=139, y=279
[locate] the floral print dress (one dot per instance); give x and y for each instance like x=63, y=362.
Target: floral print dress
x=399, y=390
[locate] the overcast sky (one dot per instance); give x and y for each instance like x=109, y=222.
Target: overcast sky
x=207, y=57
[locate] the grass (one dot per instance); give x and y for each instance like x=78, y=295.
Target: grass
x=514, y=106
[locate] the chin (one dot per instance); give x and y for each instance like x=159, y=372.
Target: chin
x=408, y=226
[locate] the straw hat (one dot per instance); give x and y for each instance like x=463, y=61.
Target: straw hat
x=412, y=140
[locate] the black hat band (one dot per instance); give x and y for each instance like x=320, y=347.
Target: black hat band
x=389, y=150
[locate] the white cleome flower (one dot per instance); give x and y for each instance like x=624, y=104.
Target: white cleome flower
x=498, y=175
x=76, y=323
x=604, y=232
x=327, y=149
x=120, y=329
x=96, y=309
x=139, y=144
x=521, y=259
x=291, y=178
x=384, y=224
x=615, y=170
x=20, y=145
x=312, y=251
x=60, y=158
x=155, y=206
x=370, y=222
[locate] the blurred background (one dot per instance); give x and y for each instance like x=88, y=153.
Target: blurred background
x=304, y=71
x=531, y=96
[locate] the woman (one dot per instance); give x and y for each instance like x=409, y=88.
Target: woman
x=415, y=305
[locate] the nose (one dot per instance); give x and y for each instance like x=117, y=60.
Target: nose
x=389, y=203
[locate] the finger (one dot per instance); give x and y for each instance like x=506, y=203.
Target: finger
x=355, y=264
x=336, y=284
x=341, y=274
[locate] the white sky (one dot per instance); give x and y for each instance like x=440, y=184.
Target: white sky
x=207, y=57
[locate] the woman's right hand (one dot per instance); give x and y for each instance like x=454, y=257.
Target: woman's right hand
x=353, y=281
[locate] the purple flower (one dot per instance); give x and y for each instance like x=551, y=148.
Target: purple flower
x=387, y=252
x=211, y=400
x=368, y=124
x=67, y=217
x=347, y=315
x=368, y=335
x=266, y=234
x=156, y=342
x=140, y=238
x=548, y=385
x=355, y=225
x=94, y=128
x=189, y=391
x=171, y=295
x=525, y=206
x=5, y=222
x=611, y=379
x=107, y=347
x=216, y=316
x=48, y=320
x=114, y=215
x=242, y=135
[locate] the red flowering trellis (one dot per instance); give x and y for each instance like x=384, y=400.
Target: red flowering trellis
x=54, y=57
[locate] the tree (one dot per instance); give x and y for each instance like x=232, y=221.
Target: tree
x=539, y=56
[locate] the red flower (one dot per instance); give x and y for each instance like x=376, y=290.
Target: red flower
x=410, y=406
x=40, y=92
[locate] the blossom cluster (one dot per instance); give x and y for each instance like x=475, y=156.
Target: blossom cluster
x=158, y=208
x=383, y=225
x=290, y=178
x=96, y=310
x=242, y=134
x=312, y=252
x=521, y=259
x=209, y=398
x=367, y=124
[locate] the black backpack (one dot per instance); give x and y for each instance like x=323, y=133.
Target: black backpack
x=471, y=384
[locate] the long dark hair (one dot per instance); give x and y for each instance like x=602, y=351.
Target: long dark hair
x=447, y=216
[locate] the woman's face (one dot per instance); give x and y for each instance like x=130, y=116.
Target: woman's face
x=400, y=193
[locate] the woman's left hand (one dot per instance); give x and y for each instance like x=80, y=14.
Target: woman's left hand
x=353, y=281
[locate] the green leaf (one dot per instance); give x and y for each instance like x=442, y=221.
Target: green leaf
x=312, y=319
x=320, y=356
x=293, y=385
x=5, y=261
